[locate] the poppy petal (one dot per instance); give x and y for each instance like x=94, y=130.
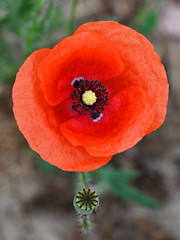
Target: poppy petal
x=42, y=132
x=82, y=55
x=125, y=121
x=143, y=66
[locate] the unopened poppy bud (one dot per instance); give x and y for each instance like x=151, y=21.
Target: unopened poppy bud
x=86, y=202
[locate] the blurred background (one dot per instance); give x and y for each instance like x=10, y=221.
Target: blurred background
x=35, y=197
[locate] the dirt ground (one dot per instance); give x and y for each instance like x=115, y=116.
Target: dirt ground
x=36, y=204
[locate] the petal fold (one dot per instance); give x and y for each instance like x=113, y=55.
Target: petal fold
x=142, y=64
x=125, y=121
x=88, y=55
x=39, y=122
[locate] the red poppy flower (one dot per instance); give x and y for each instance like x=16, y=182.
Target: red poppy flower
x=95, y=94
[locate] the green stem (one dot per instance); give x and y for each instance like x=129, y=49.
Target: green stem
x=32, y=29
x=84, y=180
x=84, y=217
x=85, y=223
x=72, y=18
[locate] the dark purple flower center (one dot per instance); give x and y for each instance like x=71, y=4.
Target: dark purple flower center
x=89, y=86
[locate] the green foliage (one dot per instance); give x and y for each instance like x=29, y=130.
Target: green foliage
x=7, y=62
x=33, y=23
x=118, y=182
x=147, y=23
x=146, y=19
x=18, y=16
x=112, y=18
x=112, y=174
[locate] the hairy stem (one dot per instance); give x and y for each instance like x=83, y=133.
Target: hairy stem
x=84, y=180
x=72, y=18
x=85, y=223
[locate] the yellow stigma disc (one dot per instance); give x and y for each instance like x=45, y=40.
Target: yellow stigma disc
x=89, y=97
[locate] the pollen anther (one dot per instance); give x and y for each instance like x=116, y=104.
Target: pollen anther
x=89, y=97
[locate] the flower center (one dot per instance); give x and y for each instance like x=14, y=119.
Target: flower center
x=89, y=97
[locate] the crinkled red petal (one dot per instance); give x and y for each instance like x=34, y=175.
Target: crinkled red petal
x=39, y=122
x=125, y=121
x=142, y=65
x=88, y=55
